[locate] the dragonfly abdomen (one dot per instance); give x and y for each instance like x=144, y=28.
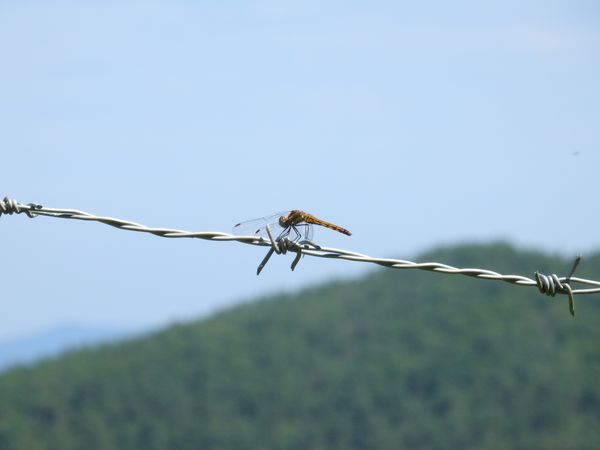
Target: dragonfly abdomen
x=309, y=218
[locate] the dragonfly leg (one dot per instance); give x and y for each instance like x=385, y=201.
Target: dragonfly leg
x=306, y=227
x=284, y=234
x=298, y=234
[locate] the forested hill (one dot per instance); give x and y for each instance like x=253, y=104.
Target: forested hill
x=396, y=359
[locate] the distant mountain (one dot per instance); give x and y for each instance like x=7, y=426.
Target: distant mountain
x=51, y=342
x=396, y=359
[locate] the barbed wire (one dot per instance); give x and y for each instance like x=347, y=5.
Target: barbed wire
x=550, y=285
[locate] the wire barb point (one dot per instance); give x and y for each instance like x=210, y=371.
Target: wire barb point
x=552, y=284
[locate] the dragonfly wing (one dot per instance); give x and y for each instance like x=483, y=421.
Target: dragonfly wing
x=305, y=230
x=258, y=227
x=309, y=232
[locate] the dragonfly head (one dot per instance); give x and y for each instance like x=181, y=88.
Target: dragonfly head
x=283, y=221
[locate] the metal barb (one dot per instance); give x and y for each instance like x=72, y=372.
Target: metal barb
x=568, y=285
x=552, y=285
x=264, y=262
x=571, y=299
x=273, y=241
x=575, y=264
x=296, y=260
x=282, y=245
x=11, y=206
x=299, y=247
x=278, y=246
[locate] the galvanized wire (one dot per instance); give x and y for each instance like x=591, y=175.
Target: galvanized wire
x=547, y=284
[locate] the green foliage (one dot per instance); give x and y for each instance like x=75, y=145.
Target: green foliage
x=398, y=359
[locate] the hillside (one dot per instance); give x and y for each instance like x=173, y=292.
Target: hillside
x=397, y=359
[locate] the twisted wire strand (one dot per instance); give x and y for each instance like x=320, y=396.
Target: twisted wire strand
x=547, y=284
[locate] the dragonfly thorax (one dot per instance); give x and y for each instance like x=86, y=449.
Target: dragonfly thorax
x=292, y=218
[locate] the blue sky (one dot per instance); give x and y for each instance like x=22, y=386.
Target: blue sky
x=410, y=124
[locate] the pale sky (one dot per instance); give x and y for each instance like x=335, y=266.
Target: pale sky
x=411, y=124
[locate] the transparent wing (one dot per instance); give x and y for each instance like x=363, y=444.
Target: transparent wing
x=306, y=231
x=258, y=227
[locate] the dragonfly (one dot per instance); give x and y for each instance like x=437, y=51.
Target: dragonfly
x=283, y=224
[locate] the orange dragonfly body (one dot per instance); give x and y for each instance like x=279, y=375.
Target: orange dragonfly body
x=284, y=223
